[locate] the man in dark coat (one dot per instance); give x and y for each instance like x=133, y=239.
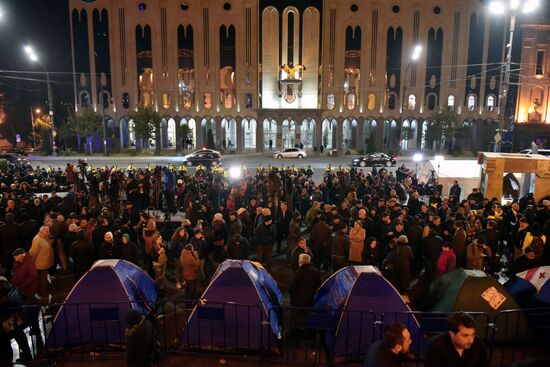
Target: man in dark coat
x=459, y=346
x=305, y=283
x=284, y=216
x=129, y=251
x=403, y=263
x=432, y=249
x=389, y=352
x=140, y=340
x=82, y=254
x=237, y=248
x=235, y=225
x=320, y=240
x=340, y=247
x=264, y=239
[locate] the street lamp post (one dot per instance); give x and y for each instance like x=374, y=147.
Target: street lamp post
x=34, y=58
x=513, y=7
x=105, y=152
x=414, y=58
x=417, y=157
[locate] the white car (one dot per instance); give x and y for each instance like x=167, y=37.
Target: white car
x=290, y=153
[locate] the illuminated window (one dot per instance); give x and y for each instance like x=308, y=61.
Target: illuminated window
x=371, y=104
x=166, y=100
x=208, y=100
x=539, y=69
x=490, y=103
x=451, y=102
x=412, y=102
x=392, y=101
x=350, y=102
x=330, y=101
x=471, y=102
x=125, y=100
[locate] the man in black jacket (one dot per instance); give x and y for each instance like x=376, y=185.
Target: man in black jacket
x=459, y=346
x=284, y=216
x=304, y=284
x=389, y=351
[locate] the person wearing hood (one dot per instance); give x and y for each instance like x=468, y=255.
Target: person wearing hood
x=129, y=251
x=140, y=340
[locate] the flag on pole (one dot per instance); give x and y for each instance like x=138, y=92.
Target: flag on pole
x=536, y=276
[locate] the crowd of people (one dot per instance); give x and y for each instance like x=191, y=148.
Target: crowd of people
x=65, y=219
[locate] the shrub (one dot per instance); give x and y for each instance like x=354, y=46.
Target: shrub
x=3, y=166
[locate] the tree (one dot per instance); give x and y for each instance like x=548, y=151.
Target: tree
x=85, y=123
x=182, y=135
x=325, y=137
x=65, y=133
x=43, y=129
x=444, y=127
x=210, y=144
x=146, y=121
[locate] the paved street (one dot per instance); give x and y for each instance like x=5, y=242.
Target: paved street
x=250, y=160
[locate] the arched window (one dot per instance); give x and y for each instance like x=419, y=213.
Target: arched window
x=451, y=102
x=490, y=102
x=270, y=132
x=412, y=102
x=371, y=104
x=208, y=100
x=432, y=101
x=330, y=101
x=249, y=128
x=471, y=102
x=392, y=101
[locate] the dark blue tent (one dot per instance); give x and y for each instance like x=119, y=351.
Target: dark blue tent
x=94, y=312
x=526, y=294
x=358, y=296
x=237, y=310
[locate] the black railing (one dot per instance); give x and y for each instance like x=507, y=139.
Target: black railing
x=280, y=334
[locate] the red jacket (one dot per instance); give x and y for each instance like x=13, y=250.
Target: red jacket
x=25, y=276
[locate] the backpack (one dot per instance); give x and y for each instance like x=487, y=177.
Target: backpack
x=537, y=245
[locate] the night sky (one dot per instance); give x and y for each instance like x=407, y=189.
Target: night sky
x=45, y=25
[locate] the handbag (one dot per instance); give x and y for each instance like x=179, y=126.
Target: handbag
x=12, y=322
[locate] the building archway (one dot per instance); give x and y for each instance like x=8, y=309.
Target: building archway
x=229, y=134
x=307, y=130
x=346, y=135
x=270, y=133
x=249, y=126
x=288, y=133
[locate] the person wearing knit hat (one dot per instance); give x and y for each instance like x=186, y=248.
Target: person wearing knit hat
x=108, y=249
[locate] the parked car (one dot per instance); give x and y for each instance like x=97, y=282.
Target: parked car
x=204, y=157
x=290, y=153
x=374, y=159
x=545, y=152
x=13, y=158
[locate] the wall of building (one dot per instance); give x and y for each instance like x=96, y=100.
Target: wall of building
x=349, y=76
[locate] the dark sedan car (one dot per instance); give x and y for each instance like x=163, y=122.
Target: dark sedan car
x=205, y=157
x=13, y=158
x=374, y=159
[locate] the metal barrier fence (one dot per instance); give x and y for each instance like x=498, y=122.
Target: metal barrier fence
x=279, y=334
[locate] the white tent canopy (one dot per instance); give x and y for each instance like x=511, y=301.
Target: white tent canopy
x=466, y=172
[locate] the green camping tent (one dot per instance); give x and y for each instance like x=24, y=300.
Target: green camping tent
x=475, y=291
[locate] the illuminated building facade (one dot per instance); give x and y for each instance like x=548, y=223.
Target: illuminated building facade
x=311, y=72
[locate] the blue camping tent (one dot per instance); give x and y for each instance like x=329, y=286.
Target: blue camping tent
x=237, y=310
x=94, y=312
x=358, y=296
x=525, y=292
